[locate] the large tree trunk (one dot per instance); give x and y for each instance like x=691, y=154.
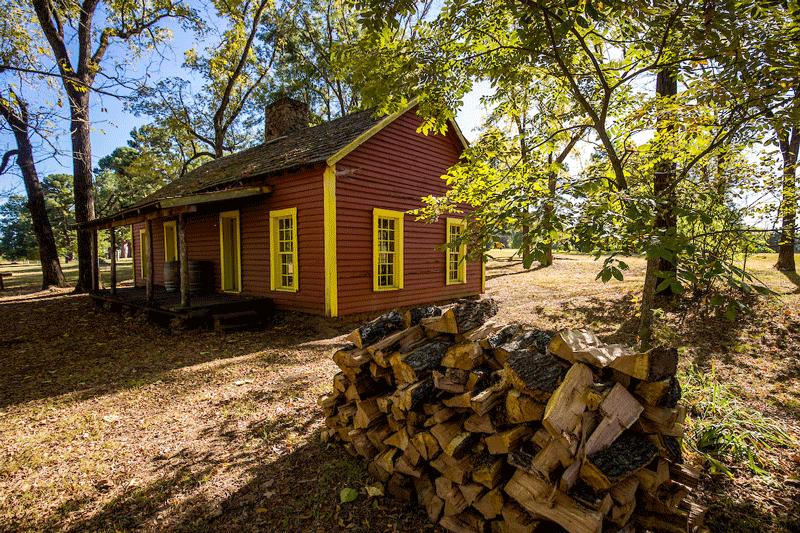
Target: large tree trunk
x=789, y=142
x=52, y=276
x=665, y=225
x=82, y=185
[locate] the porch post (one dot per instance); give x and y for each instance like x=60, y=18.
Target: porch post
x=95, y=263
x=113, y=238
x=183, y=253
x=150, y=261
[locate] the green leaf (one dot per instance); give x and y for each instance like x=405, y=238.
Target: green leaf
x=617, y=274
x=347, y=495
x=731, y=312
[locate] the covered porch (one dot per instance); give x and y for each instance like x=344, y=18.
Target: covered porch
x=177, y=208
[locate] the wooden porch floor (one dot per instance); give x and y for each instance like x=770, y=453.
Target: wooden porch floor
x=169, y=302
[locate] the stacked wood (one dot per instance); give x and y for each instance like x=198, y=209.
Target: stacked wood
x=504, y=429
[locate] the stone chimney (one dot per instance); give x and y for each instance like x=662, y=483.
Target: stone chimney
x=284, y=117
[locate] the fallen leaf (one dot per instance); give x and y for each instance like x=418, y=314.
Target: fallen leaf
x=347, y=495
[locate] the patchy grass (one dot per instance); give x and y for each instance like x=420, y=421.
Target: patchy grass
x=112, y=424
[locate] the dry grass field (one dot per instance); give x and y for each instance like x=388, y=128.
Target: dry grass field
x=114, y=424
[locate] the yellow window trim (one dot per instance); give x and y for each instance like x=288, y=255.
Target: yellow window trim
x=143, y=259
x=331, y=267
x=397, y=216
x=173, y=246
x=274, y=260
x=237, y=252
x=462, y=253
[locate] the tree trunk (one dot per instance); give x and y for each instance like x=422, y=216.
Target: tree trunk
x=666, y=225
x=548, y=213
x=789, y=143
x=52, y=276
x=82, y=186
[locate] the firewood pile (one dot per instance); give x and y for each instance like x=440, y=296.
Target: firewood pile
x=503, y=429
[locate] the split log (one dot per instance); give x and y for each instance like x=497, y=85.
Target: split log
x=434, y=508
x=585, y=495
x=575, y=345
x=653, y=365
x=564, y=408
x=544, y=462
x=416, y=365
x=522, y=408
x=480, y=424
x=500, y=337
x=464, y=316
x=451, y=380
x=651, y=479
x=540, y=499
x=490, y=505
x=517, y=520
x=624, y=457
x=477, y=377
x=427, y=445
x=487, y=399
x=340, y=382
x=418, y=393
x=533, y=373
x=406, y=467
x=620, y=410
x=508, y=440
x=446, y=432
x=414, y=316
x=398, y=439
x=378, y=434
x=488, y=471
x=396, y=342
x=363, y=446
x=457, y=524
x=372, y=332
x=471, y=492
x=465, y=356
x=351, y=360
x=367, y=413
x=459, y=400
x=400, y=487
x=442, y=415
x=386, y=459
x=535, y=340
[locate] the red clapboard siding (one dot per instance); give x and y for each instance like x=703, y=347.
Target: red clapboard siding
x=302, y=190
x=393, y=170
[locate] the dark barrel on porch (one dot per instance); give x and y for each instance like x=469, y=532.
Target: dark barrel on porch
x=172, y=275
x=201, y=277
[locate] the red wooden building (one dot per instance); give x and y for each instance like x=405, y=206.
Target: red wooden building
x=313, y=219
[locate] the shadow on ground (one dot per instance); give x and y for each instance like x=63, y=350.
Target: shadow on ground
x=65, y=345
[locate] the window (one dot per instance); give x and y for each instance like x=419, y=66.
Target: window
x=387, y=238
x=170, y=241
x=230, y=251
x=283, y=250
x=456, y=265
x=143, y=257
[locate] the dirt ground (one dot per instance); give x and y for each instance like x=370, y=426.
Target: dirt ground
x=115, y=424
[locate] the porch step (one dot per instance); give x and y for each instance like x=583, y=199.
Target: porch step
x=239, y=320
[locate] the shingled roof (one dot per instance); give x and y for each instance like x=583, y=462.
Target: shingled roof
x=306, y=147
